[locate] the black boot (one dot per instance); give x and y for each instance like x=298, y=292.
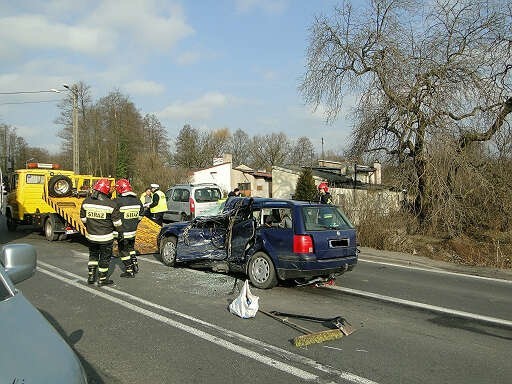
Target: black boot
x=92, y=277
x=128, y=268
x=103, y=279
x=135, y=263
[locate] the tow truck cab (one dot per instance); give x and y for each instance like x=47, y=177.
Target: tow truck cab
x=26, y=203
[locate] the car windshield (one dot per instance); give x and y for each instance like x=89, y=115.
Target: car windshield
x=207, y=194
x=213, y=211
x=318, y=218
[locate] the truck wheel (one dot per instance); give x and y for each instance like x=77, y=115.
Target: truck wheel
x=60, y=186
x=168, y=250
x=262, y=272
x=11, y=224
x=49, y=230
x=183, y=217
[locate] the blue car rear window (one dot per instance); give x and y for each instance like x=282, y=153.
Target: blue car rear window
x=324, y=217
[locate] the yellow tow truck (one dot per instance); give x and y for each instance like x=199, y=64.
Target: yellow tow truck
x=49, y=198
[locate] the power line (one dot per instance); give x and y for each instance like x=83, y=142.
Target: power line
x=31, y=102
x=22, y=92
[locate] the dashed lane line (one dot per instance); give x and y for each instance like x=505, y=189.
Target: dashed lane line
x=78, y=282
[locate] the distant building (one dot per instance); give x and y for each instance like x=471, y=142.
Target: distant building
x=250, y=182
x=352, y=186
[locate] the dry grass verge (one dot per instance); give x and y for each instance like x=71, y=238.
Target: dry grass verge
x=398, y=232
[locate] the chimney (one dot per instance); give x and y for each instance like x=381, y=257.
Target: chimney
x=378, y=173
x=227, y=157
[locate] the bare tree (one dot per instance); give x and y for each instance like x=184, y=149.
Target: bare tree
x=423, y=70
x=239, y=147
x=269, y=150
x=302, y=153
x=154, y=138
x=187, y=147
x=66, y=120
x=213, y=144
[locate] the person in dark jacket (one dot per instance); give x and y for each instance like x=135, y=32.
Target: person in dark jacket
x=100, y=215
x=325, y=195
x=235, y=192
x=131, y=210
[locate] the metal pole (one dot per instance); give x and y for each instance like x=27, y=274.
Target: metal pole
x=76, y=151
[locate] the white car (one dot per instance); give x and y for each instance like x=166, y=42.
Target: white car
x=31, y=350
x=186, y=201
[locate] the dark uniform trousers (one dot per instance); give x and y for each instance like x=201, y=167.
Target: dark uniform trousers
x=100, y=254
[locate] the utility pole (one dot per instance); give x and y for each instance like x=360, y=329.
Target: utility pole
x=76, y=148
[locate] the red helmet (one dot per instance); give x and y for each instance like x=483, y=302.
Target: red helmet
x=103, y=186
x=323, y=185
x=123, y=186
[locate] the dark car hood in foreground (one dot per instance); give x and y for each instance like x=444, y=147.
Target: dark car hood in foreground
x=31, y=349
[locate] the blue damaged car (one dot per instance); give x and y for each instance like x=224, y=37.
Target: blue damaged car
x=268, y=240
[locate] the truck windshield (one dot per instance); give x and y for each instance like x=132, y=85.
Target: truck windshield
x=325, y=217
x=34, y=179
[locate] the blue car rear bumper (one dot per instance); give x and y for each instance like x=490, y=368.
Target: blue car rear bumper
x=309, y=266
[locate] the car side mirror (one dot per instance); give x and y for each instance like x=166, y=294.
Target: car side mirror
x=19, y=261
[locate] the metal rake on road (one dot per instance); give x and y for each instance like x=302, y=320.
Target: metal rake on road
x=342, y=327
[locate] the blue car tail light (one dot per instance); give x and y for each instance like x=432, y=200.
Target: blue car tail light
x=303, y=244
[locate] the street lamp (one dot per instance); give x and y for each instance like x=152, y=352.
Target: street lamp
x=76, y=150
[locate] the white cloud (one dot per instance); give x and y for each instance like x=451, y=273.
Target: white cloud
x=201, y=108
x=38, y=32
x=268, y=6
x=187, y=58
x=144, y=21
x=142, y=87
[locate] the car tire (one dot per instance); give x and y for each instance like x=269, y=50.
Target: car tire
x=49, y=231
x=183, y=217
x=60, y=186
x=11, y=224
x=168, y=251
x=261, y=271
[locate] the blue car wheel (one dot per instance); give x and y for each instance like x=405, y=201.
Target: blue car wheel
x=262, y=272
x=168, y=251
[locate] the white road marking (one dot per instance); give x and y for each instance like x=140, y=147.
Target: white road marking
x=73, y=280
x=415, y=304
x=434, y=308
x=436, y=270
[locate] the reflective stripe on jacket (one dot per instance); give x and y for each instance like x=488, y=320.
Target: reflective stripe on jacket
x=100, y=216
x=161, y=205
x=131, y=213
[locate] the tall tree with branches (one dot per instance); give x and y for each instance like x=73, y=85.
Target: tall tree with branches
x=424, y=70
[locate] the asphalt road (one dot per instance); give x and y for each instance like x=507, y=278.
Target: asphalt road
x=172, y=325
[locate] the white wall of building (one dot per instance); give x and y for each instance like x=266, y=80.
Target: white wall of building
x=284, y=182
x=219, y=174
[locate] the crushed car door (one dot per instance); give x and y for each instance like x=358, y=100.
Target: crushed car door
x=240, y=240
x=202, y=241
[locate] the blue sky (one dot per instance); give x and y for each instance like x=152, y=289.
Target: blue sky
x=208, y=63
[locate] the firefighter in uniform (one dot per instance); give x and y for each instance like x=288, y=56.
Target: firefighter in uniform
x=158, y=205
x=131, y=210
x=325, y=196
x=100, y=215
